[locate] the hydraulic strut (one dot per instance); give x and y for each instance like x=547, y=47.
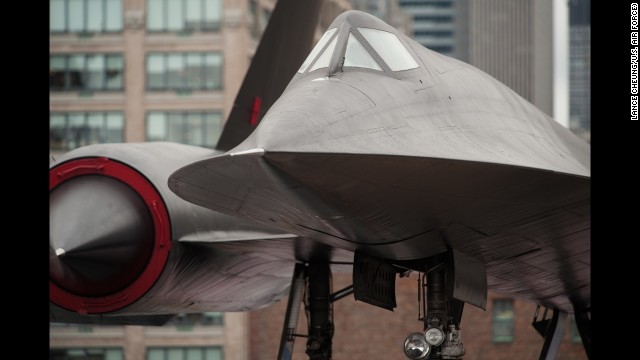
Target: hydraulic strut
x=311, y=284
x=441, y=332
x=320, y=312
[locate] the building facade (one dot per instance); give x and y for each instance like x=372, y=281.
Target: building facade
x=580, y=67
x=437, y=25
x=512, y=40
x=208, y=336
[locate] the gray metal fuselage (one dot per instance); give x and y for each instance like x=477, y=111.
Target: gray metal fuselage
x=405, y=165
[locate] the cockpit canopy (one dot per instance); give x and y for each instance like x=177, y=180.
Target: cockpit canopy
x=347, y=45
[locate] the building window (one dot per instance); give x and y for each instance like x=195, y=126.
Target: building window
x=185, y=353
x=433, y=18
x=183, y=15
x=86, y=72
x=184, y=71
x=193, y=128
x=434, y=33
x=85, y=16
x=68, y=131
x=422, y=3
x=503, y=321
x=86, y=354
x=186, y=322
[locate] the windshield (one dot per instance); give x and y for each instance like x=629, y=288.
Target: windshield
x=390, y=49
x=321, y=43
x=357, y=56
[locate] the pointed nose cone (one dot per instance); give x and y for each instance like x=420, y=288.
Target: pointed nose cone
x=101, y=235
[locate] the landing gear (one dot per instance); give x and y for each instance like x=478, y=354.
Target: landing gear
x=320, y=312
x=551, y=330
x=447, y=281
x=583, y=322
x=445, y=284
x=315, y=277
x=442, y=333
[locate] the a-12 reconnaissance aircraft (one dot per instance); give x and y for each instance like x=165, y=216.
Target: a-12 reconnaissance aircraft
x=379, y=155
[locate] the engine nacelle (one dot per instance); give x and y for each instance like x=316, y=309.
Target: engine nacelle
x=121, y=243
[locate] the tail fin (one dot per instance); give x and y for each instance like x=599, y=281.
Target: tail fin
x=285, y=44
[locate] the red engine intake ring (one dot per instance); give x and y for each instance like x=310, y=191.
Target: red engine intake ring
x=162, y=238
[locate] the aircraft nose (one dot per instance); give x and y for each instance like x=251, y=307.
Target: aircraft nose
x=101, y=235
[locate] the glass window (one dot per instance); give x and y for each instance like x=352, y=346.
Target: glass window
x=390, y=49
x=213, y=71
x=175, y=71
x=179, y=71
x=155, y=354
x=212, y=130
x=155, y=15
x=95, y=125
x=85, y=72
x=212, y=14
x=316, y=49
x=76, y=70
x=156, y=126
x=193, y=14
x=184, y=353
x=114, y=72
x=325, y=58
x=193, y=128
x=175, y=127
x=86, y=354
x=357, y=56
x=212, y=318
x=68, y=131
x=95, y=71
x=181, y=15
x=175, y=21
x=113, y=354
x=213, y=354
x=57, y=72
x=76, y=130
x=194, y=69
x=115, y=127
x=95, y=15
x=57, y=16
x=76, y=15
x=434, y=33
x=85, y=15
x=195, y=354
x=502, y=321
x=114, y=15
x=57, y=131
x=155, y=71
x=175, y=354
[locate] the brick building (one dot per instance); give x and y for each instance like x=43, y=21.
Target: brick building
x=363, y=331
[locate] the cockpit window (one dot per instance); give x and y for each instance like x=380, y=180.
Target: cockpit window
x=390, y=49
x=357, y=56
x=323, y=40
x=325, y=58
